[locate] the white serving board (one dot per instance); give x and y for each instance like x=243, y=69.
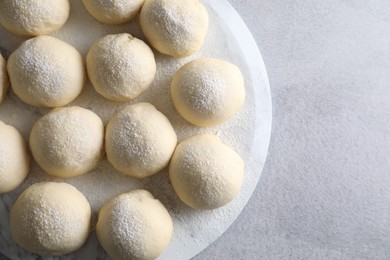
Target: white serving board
x=248, y=132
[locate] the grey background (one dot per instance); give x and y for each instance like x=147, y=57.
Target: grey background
x=325, y=189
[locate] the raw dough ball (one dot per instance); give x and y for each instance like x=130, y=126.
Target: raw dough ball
x=68, y=141
x=140, y=140
x=4, y=82
x=205, y=173
x=113, y=11
x=46, y=72
x=120, y=66
x=207, y=91
x=32, y=18
x=135, y=226
x=14, y=160
x=50, y=219
x=174, y=27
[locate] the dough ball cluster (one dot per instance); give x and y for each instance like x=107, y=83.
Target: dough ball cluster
x=205, y=173
x=4, y=81
x=51, y=219
x=140, y=140
x=54, y=218
x=120, y=66
x=174, y=27
x=46, y=72
x=134, y=225
x=113, y=11
x=33, y=17
x=14, y=160
x=68, y=142
x=207, y=92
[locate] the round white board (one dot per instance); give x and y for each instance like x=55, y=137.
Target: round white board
x=248, y=132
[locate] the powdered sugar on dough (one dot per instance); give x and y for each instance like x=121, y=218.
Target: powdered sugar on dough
x=113, y=11
x=31, y=18
x=193, y=229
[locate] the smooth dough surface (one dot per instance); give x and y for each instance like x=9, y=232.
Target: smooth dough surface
x=46, y=72
x=134, y=225
x=14, y=160
x=50, y=219
x=120, y=66
x=174, y=27
x=140, y=140
x=68, y=141
x=33, y=17
x=205, y=173
x=4, y=81
x=208, y=91
x=113, y=11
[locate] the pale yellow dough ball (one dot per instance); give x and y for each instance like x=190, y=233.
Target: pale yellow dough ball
x=174, y=27
x=33, y=17
x=205, y=173
x=4, y=81
x=113, y=11
x=51, y=219
x=14, y=160
x=135, y=226
x=120, y=66
x=46, y=72
x=140, y=140
x=207, y=91
x=68, y=141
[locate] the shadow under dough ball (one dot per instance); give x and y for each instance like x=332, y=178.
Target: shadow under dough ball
x=4, y=80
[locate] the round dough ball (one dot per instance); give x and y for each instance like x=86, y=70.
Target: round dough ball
x=140, y=140
x=205, y=173
x=120, y=66
x=51, y=219
x=113, y=11
x=4, y=81
x=174, y=27
x=135, y=226
x=68, y=141
x=46, y=72
x=32, y=18
x=207, y=92
x=14, y=160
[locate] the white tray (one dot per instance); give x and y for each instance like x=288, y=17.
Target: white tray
x=248, y=132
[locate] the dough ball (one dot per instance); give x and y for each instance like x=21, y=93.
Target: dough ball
x=68, y=141
x=174, y=27
x=207, y=92
x=50, y=219
x=14, y=160
x=135, y=226
x=140, y=140
x=46, y=72
x=4, y=81
x=120, y=66
x=205, y=173
x=32, y=18
x=113, y=11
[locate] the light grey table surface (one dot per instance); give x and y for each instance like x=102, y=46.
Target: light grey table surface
x=325, y=189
